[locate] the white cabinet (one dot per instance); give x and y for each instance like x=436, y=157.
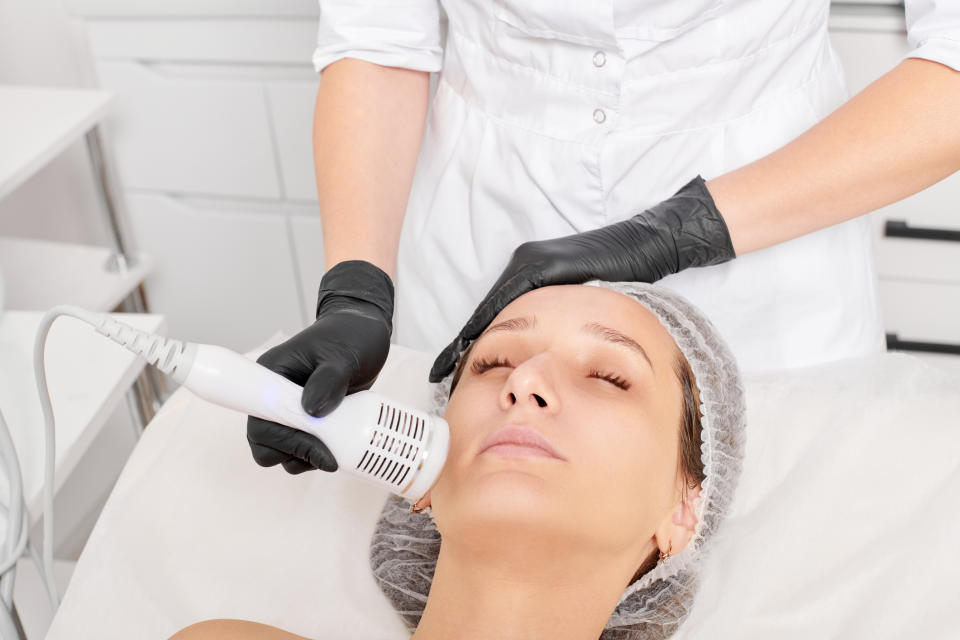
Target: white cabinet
x=181, y=134
x=291, y=106
x=213, y=137
x=225, y=273
x=923, y=311
x=919, y=277
x=307, y=235
x=230, y=40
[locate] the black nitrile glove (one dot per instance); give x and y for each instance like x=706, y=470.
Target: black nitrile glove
x=685, y=230
x=340, y=353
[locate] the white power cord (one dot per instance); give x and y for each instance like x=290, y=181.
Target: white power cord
x=166, y=354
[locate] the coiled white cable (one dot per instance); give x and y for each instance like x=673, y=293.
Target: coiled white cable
x=164, y=353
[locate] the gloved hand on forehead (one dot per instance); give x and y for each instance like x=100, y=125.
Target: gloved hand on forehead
x=685, y=230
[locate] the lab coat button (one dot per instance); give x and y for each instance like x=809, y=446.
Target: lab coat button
x=599, y=116
x=599, y=58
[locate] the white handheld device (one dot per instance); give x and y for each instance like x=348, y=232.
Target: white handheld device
x=396, y=446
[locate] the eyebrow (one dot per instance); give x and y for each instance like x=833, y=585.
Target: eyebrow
x=595, y=329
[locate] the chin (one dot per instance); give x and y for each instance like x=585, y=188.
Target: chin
x=505, y=495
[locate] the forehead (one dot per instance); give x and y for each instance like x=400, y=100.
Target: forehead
x=565, y=308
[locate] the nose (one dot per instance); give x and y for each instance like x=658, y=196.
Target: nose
x=529, y=385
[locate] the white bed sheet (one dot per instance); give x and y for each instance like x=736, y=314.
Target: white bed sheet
x=845, y=523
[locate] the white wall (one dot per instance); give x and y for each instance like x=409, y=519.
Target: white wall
x=41, y=45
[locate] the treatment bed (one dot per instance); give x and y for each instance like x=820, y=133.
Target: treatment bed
x=845, y=522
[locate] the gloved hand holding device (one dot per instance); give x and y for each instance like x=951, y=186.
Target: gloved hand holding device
x=685, y=230
x=342, y=352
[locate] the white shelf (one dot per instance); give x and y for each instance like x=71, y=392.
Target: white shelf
x=87, y=376
x=40, y=274
x=37, y=123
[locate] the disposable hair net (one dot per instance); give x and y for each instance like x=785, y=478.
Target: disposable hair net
x=405, y=546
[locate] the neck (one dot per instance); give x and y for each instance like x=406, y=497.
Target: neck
x=523, y=590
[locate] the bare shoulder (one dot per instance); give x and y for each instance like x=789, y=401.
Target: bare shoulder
x=230, y=629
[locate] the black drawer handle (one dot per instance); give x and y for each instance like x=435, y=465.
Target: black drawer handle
x=900, y=229
x=894, y=343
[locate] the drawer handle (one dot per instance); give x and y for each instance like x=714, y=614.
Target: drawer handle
x=900, y=229
x=894, y=343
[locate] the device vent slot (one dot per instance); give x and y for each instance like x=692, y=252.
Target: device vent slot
x=386, y=469
x=365, y=454
x=376, y=470
x=371, y=462
x=380, y=419
x=400, y=467
x=406, y=470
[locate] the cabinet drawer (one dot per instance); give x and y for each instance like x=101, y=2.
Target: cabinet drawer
x=870, y=41
x=190, y=134
x=198, y=8
x=291, y=107
x=239, y=40
x=921, y=311
x=937, y=206
x=306, y=231
x=224, y=273
x=928, y=259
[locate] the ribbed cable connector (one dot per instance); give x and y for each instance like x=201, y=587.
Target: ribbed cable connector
x=173, y=357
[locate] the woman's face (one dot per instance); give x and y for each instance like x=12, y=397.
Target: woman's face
x=619, y=473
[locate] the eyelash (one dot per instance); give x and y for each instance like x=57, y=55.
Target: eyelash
x=480, y=364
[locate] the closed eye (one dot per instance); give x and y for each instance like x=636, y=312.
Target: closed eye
x=480, y=365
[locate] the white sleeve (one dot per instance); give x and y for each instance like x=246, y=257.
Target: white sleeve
x=933, y=30
x=392, y=33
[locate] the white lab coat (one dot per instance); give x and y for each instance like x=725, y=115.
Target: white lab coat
x=552, y=118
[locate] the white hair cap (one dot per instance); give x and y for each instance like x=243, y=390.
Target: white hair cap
x=405, y=546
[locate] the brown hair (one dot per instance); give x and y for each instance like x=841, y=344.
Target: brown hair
x=691, y=465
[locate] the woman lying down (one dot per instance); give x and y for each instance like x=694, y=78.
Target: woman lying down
x=633, y=416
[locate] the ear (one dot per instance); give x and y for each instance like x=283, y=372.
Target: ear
x=677, y=527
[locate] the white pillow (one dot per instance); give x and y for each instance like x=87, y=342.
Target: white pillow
x=843, y=524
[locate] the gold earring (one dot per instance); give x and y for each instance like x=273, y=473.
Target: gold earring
x=664, y=556
x=413, y=507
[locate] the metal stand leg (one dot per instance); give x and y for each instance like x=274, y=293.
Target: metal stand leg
x=136, y=412
x=17, y=622
x=150, y=390
x=122, y=258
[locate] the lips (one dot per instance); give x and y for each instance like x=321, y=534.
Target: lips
x=520, y=435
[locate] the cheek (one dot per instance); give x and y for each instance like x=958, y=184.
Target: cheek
x=626, y=466
x=465, y=416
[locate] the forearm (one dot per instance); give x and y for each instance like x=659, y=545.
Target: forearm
x=367, y=127
x=898, y=136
